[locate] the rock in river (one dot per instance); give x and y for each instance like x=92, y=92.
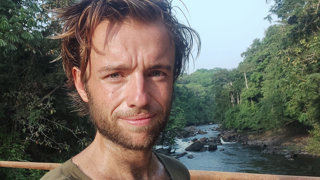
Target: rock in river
x=190, y=156
x=212, y=147
x=196, y=146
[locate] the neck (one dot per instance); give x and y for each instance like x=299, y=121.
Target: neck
x=103, y=159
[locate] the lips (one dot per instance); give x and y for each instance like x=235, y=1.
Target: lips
x=139, y=119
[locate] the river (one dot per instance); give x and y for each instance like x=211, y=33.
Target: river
x=239, y=158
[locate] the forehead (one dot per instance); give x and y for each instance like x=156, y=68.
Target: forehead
x=108, y=34
x=132, y=42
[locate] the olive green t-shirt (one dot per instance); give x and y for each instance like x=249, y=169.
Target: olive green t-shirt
x=70, y=171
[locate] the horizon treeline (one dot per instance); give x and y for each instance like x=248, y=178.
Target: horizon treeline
x=276, y=86
x=278, y=83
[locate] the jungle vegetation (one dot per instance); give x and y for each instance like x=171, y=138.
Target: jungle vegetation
x=276, y=85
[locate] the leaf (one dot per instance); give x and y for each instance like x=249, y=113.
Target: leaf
x=2, y=43
x=11, y=37
x=27, y=36
x=4, y=24
x=14, y=19
x=12, y=47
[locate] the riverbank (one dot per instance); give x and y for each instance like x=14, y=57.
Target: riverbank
x=233, y=156
x=287, y=142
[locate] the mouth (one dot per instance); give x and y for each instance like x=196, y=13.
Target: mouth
x=139, y=119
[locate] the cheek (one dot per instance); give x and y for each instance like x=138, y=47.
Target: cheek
x=169, y=94
x=112, y=97
x=104, y=96
x=163, y=94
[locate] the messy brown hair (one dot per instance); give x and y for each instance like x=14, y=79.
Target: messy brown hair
x=80, y=20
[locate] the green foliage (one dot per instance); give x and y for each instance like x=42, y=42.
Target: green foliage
x=226, y=89
x=34, y=119
x=176, y=122
x=314, y=141
x=192, y=95
x=280, y=72
x=201, y=77
x=12, y=150
x=192, y=103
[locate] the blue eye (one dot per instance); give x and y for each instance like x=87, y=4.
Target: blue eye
x=157, y=73
x=114, y=75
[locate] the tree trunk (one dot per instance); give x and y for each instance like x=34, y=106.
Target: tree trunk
x=232, y=99
x=245, y=78
x=238, y=98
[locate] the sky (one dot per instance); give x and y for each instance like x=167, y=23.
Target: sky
x=226, y=27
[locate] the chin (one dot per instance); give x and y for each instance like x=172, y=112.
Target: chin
x=137, y=138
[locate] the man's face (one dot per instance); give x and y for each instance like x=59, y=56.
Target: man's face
x=130, y=81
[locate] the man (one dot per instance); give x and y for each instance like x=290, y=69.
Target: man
x=122, y=57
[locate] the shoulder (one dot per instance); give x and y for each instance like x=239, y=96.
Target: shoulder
x=174, y=167
x=67, y=171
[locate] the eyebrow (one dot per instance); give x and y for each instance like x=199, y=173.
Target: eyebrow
x=113, y=68
x=160, y=66
x=124, y=67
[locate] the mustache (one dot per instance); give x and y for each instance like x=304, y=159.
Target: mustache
x=134, y=112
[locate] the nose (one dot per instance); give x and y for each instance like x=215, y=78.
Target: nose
x=137, y=95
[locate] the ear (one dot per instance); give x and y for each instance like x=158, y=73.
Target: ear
x=76, y=74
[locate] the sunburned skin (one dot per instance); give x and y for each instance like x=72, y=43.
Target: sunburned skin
x=129, y=91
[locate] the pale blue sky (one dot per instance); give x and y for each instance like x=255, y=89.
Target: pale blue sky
x=227, y=28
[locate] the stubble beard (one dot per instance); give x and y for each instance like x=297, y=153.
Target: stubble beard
x=110, y=129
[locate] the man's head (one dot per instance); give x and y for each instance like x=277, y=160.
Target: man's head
x=123, y=56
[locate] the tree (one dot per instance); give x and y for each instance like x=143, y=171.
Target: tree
x=33, y=114
x=281, y=74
